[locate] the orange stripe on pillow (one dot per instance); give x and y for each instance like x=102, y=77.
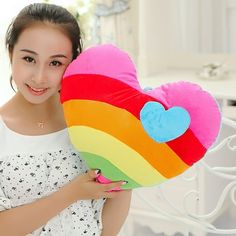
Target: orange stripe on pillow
x=127, y=128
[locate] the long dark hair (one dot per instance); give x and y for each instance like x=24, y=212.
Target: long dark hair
x=43, y=12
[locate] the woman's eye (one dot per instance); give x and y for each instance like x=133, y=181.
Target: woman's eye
x=29, y=59
x=55, y=63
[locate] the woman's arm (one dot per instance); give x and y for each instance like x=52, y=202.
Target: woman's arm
x=30, y=217
x=115, y=212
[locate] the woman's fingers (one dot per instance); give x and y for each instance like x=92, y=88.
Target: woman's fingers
x=114, y=185
x=109, y=190
x=93, y=173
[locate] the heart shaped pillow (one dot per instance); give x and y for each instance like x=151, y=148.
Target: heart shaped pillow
x=143, y=137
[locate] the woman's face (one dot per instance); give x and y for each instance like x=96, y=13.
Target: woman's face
x=39, y=59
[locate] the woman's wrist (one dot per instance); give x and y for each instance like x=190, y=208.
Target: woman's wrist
x=65, y=196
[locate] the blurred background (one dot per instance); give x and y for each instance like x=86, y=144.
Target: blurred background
x=168, y=40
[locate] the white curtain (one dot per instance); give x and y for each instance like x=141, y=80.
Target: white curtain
x=114, y=23
x=185, y=18
x=204, y=26
x=231, y=13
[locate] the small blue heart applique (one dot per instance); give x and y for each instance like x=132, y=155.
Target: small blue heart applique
x=164, y=125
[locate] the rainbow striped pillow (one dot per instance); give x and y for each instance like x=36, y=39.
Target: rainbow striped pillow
x=143, y=137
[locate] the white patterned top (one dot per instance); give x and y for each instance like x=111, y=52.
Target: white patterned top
x=32, y=167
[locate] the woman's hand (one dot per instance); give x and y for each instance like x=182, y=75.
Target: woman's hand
x=86, y=187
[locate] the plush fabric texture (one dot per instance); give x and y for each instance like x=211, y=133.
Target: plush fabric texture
x=142, y=136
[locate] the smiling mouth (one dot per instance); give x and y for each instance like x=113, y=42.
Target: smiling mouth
x=36, y=91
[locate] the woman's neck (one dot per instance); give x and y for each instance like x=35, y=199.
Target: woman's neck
x=42, y=111
x=27, y=118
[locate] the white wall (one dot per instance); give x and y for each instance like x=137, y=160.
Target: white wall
x=8, y=12
x=5, y=89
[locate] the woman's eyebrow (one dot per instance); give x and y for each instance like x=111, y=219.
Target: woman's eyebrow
x=53, y=56
x=58, y=55
x=30, y=51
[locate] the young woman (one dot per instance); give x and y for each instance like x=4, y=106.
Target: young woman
x=45, y=186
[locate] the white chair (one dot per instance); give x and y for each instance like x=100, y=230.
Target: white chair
x=201, y=201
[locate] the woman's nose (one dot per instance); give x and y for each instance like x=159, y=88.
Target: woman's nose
x=40, y=76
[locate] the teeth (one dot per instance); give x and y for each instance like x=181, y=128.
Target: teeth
x=37, y=89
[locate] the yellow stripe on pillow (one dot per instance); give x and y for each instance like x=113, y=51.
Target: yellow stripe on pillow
x=87, y=139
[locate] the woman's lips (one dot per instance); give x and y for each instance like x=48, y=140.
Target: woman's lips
x=36, y=91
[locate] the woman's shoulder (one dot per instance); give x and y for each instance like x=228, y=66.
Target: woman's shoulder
x=5, y=117
x=3, y=133
x=1, y=121
x=5, y=112
x=1, y=111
